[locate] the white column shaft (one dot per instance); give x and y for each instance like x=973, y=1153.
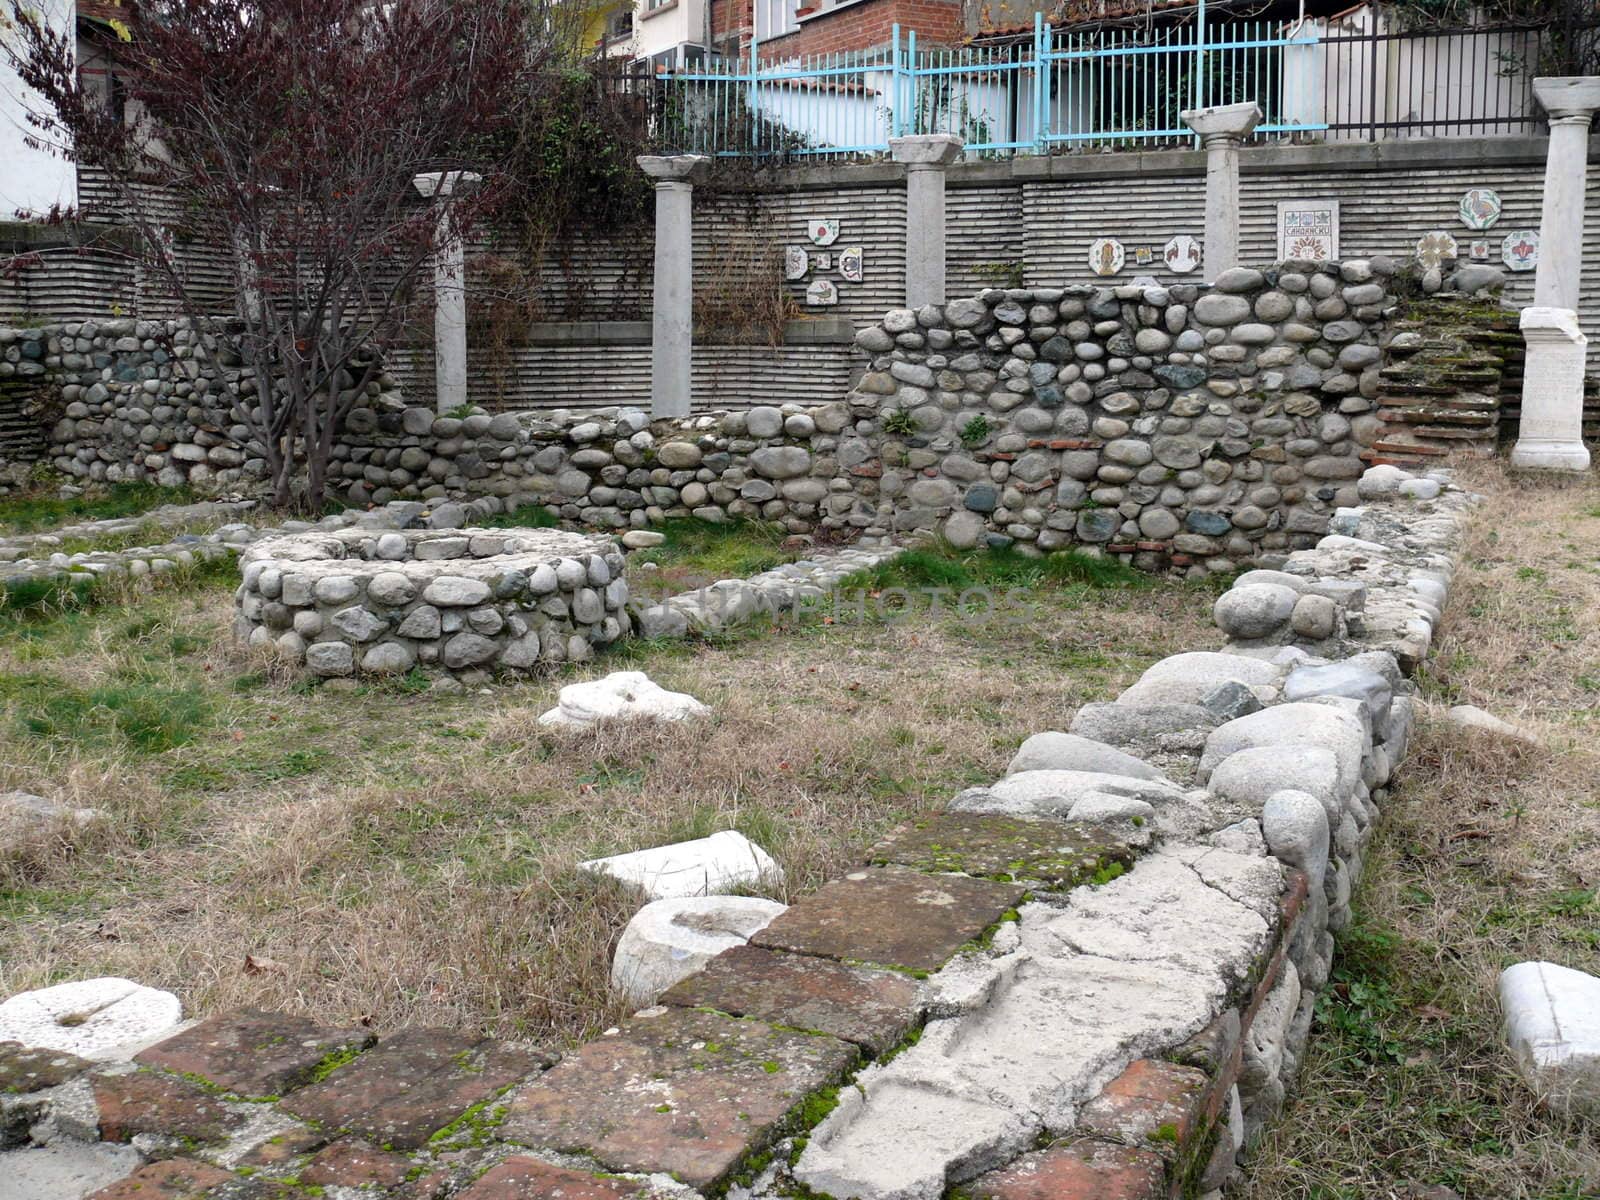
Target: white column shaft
x=1222, y=204
x=925, y=235
x=1561, y=216
x=672, y=308
x=449, y=318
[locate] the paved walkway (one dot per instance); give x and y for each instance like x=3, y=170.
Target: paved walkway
x=690, y=1094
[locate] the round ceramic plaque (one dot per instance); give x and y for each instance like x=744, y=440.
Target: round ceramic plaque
x=1480, y=208
x=1520, y=250
x=1106, y=256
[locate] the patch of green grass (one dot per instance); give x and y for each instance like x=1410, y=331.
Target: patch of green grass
x=145, y=718
x=943, y=566
x=529, y=516
x=724, y=550
x=38, y=511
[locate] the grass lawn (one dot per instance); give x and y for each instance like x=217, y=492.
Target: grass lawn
x=36, y=512
x=1488, y=854
x=402, y=858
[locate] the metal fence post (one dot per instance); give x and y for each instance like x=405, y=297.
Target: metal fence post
x=913, y=123
x=1041, y=84
x=894, y=81
x=1200, y=55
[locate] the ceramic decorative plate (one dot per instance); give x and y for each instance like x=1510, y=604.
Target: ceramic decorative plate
x=822, y=293
x=796, y=263
x=1520, y=250
x=823, y=231
x=852, y=264
x=1181, y=254
x=1433, y=248
x=1106, y=256
x=1480, y=208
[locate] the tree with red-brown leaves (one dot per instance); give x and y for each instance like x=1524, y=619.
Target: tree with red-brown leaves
x=284, y=135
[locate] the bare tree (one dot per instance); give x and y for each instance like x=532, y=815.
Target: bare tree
x=284, y=135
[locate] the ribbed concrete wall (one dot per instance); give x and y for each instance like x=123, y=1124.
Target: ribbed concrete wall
x=596, y=376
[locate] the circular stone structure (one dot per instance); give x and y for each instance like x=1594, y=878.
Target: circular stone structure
x=380, y=602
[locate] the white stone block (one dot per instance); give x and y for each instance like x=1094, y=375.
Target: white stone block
x=623, y=695
x=669, y=940
x=95, y=1018
x=1552, y=1024
x=708, y=866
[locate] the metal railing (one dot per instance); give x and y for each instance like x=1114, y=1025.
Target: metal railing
x=1106, y=88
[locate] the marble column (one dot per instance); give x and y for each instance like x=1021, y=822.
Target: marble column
x=1550, y=433
x=925, y=155
x=672, y=304
x=449, y=289
x=1222, y=129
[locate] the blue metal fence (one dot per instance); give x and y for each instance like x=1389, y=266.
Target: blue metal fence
x=1111, y=88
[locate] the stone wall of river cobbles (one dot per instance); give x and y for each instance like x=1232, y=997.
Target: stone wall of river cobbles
x=1195, y=426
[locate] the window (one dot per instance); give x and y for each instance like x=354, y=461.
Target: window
x=774, y=18
x=619, y=24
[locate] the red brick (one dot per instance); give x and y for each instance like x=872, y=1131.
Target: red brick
x=523, y=1178
x=891, y=917
x=1052, y=854
x=154, y=1102
x=413, y=1085
x=1083, y=1170
x=874, y=1009
x=174, y=1179
x=1153, y=1104
x=352, y=1163
x=254, y=1053
x=677, y=1091
x=282, y=1147
x=24, y=1070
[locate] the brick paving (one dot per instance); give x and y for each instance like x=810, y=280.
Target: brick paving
x=892, y=917
x=263, y=1106
x=873, y=1009
x=677, y=1091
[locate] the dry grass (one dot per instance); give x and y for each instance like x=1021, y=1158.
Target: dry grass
x=388, y=856
x=1489, y=854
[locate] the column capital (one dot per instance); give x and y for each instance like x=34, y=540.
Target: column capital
x=445, y=183
x=1222, y=124
x=1568, y=99
x=674, y=170
x=926, y=151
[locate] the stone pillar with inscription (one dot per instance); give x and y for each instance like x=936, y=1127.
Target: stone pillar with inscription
x=449, y=289
x=1550, y=435
x=672, y=296
x=1222, y=128
x=925, y=155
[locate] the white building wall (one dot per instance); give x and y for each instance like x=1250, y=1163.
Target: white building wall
x=32, y=181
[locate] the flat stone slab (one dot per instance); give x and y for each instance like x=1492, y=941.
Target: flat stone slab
x=1043, y=853
x=96, y=1018
x=873, y=1009
x=1552, y=1024
x=24, y=1069
x=74, y=1170
x=677, y=1091
x=352, y=1163
x=1085, y=1170
x=892, y=917
x=413, y=1085
x=524, y=1178
x=254, y=1053
x=154, y=1102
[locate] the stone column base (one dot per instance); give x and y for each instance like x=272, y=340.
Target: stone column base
x=1551, y=434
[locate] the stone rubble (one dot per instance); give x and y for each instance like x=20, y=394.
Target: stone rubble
x=708, y=866
x=620, y=696
x=669, y=940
